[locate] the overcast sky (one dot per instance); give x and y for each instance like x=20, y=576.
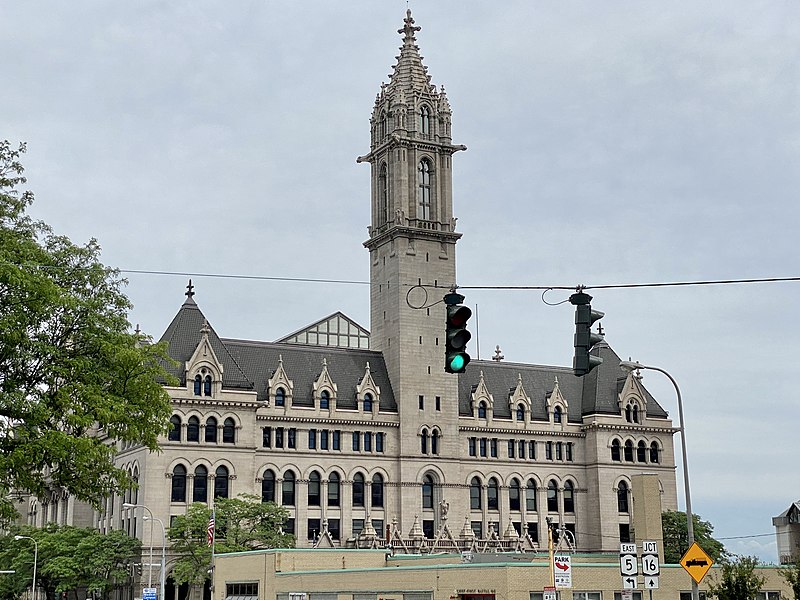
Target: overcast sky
x=613, y=142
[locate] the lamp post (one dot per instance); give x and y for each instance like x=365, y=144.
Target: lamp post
x=634, y=366
x=163, y=545
x=35, y=559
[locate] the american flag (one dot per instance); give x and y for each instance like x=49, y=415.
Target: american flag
x=210, y=530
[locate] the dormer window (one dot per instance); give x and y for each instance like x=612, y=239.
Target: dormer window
x=632, y=412
x=280, y=397
x=520, y=412
x=207, y=386
x=482, y=410
x=557, y=414
x=324, y=399
x=198, y=383
x=367, y=402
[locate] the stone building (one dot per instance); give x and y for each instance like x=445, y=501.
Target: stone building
x=354, y=429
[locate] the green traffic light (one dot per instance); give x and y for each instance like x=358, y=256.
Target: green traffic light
x=457, y=362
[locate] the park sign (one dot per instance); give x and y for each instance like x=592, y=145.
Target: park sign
x=696, y=562
x=562, y=571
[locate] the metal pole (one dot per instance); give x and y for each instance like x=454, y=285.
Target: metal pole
x=35, y=560
x=163, y=555
x=687, y=494
x=150, y=567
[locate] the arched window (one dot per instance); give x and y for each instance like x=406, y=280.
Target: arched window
x=635, y=413
x=615, y=451
x=314, y=489
x=268, y=486
x=334, y=489
x=622, y=497
x=427, y=492
x=383, y=195
x=569, y=497
x=280, y=397
x=211, y=430
x=435, y=442
x=377, y=490
x=358, y=489
x=324, y=399
x=552, y=496
x=198, y=384
x=654, y=453
x=492, y=494
x=221, y=482
x=629, y=451
x=193, y=429
x=425, y=120
x=287, y=489
x=514, y=495
x=207, y=386
x=368, y=402
x=200, y=484
x=530, y=496
x=178, y=484
x=520, y=412
x=482, y=410
x=423, y=441
x=557, y=414
x=424, y=171
x=475, y=494
x=229, y=431
x=641, y=452
x=384, y=124
x=174, y=434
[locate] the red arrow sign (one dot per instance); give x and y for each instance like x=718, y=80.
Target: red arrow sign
x=562, y=566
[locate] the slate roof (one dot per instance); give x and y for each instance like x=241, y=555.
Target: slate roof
x=597, y=392
x=248, y=365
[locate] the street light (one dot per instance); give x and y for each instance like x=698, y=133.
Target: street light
x=35, y=559
x=163, y=545
x=634, y=366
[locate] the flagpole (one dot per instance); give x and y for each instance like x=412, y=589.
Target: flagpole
x=212, y=535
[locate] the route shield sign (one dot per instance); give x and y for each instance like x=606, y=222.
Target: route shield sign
x=650, y=561
x=696, y=562
x=562, y=571
x=628, y=565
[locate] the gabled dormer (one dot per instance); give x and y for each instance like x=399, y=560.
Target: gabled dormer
x=368, y=394
x=519, y=404
x=557, y=406
x=632, y=399
x=482, y=401
x=324, y=390
x=281, y=388
x=203, y=369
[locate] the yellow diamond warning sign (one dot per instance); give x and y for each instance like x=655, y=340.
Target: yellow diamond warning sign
x=696, y=562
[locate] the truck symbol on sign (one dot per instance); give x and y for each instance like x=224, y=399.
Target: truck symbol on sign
x=697, y=562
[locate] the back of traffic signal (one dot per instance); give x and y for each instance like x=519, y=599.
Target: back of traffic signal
x=585, y=338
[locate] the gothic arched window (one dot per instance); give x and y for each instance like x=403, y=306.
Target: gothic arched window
x=552, y=496
x=174, y=434
x=423, y=441
x=435, y=442
x=207, y=386
x=641, y=452
x=325, y=399
x=221, y=482
x=377, y=490
x=514, y=495
x=229, y=431
x=333, y=489
x=198, y=384
x=520, y=412
x=569, y=497
x=492, y=494
x=280, y=397
x=557, y=414
x=178, y=484
x=268, y=486
x=615, y=451
x=530, y=496
x=654, y=453
x=193, y=429
x=200, y=484
x=629, y=451
x=424, y=174
x=482, y=410
x=367, y=402
x=425, y=120
x=427, y=492
x=383, y=195
x=622, y=497
x=358, y=489
x=211, y=430
x=314, y=489
x=287, y=489
x=475, y=494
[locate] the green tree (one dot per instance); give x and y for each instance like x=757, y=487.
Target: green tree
x=73, y=378
x=792, y=576
x=69, y=558
x=243, y=523
x=738, y=579
x=676, y=540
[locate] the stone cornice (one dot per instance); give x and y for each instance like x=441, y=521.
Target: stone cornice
x=521, y=432
x=291, y=419
x=630, y=428
x=402, y=231
x=206, y=401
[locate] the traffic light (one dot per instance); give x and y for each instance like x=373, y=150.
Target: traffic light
x=585, y=339
x=456, y=358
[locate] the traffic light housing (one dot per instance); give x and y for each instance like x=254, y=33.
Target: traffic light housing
x=585, y=339
x=456, y=358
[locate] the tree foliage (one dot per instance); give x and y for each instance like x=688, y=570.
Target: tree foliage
x=243, y=523
x=676, y=538
x=738, y=579
x=69, y=558
x=792, y=576
x=69, y=366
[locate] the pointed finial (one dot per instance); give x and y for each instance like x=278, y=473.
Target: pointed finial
x=498, y=356
x=324, y=363
x=280, y=359
x=409, y=28
x=190, y=289
x=137, y=331
x=205, y=329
